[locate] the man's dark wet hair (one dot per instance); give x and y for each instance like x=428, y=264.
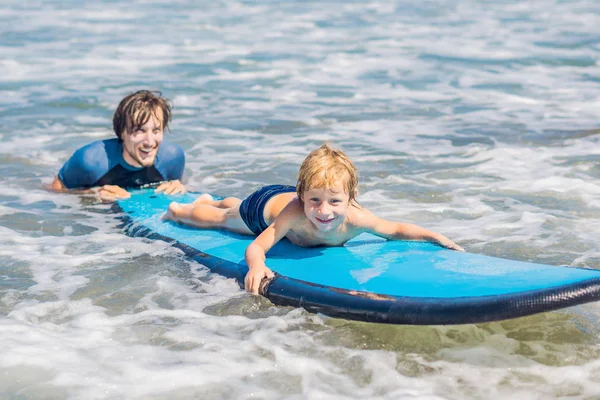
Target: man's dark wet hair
x=137, y=108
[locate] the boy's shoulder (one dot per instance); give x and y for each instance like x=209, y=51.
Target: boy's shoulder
x=359, y=217
x=294, y=208
x=292, y=215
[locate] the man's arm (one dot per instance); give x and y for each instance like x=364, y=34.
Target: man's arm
x=81, y=172
x=58, y=186
x=106, y=193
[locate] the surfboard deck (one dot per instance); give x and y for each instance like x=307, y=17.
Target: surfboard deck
x=372, y=279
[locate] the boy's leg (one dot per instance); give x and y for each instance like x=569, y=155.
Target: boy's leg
x=207, y=216
x=228, y=202
x=235, y=223
x=198, y=215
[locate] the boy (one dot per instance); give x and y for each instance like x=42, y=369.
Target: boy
x=136, y=157
x=320, y=211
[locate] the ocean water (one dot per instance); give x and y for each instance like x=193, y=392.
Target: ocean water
x=474, y=118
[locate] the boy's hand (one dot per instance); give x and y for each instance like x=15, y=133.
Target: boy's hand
x=171, y=187
x=255, y=276
x=449, y=244
x=110, y=193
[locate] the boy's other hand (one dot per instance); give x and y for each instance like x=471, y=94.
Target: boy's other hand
x=449, y=244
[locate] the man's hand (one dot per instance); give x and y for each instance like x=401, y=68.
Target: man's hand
x=255, y=276
x=171, y=187
x=110, y=193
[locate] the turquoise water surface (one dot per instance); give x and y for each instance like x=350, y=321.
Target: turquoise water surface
x=477, y=119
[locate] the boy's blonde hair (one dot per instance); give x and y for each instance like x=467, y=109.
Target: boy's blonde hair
x=325, y=166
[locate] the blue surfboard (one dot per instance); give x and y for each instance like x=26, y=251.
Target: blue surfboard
x=372, y=279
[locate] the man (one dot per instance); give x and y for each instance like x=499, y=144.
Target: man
x=137, y=156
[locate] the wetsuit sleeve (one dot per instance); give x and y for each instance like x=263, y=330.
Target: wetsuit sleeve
x=171, y=162
x=84, y=168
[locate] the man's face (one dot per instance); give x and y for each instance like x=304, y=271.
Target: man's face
x=141, y=144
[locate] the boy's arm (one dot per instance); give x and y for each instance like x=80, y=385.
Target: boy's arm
x=402, y=231
x=257, y=250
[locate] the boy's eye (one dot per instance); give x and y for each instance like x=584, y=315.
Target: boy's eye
x=314, y=199
x=335, y=201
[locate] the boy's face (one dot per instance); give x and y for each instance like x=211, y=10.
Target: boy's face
x=141, y=144
x=326, y=207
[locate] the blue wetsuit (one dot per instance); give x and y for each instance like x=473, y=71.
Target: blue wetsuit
x=252, y=208
x=101, y=163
